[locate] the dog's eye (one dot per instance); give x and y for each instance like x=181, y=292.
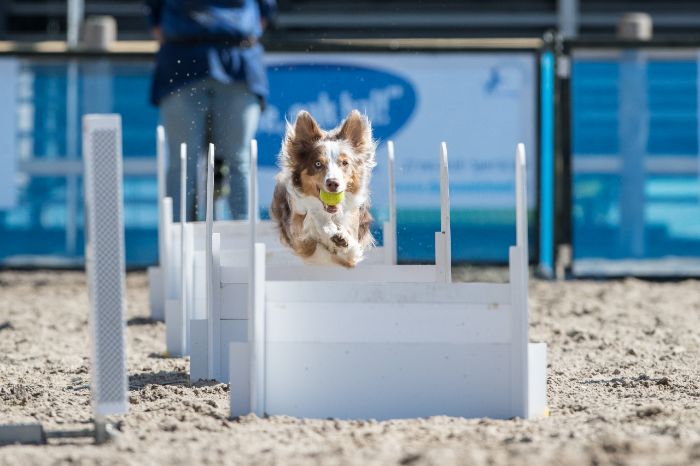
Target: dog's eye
x=318, y=164
x=345, y=163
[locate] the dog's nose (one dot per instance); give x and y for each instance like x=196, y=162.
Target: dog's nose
x=332, y=185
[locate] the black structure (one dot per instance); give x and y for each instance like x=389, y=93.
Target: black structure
x=300, y=19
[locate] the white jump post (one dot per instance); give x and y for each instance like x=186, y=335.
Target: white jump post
x=204, y=334
x=104, y=260
x=211, y=330
x=520, y=199
x=443, y=239
x=390, y=230
x=160, y=174
x=256, y=296
x=252, y=193
x=158, y=312
x=518, y=256
x=156, y=274
x=180, y=347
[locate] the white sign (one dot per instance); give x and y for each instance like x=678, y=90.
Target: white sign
x=481, y=104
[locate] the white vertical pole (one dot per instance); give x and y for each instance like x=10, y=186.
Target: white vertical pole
x=633, y=134
x=445, y=238
x=253, y=192
x=391, y=243
x=183, y=269
x=568, y=17
x=520, y=200
x=76, y=11
x=211, y=325
x=168, y=262
x=519, y=291
x=216, y=304
x=72, y=129
x=104, y=253
x=160, y=172
x=256, y=295
x=257, y=335
x=157, y=274
x=252, y=202
x=161, y=162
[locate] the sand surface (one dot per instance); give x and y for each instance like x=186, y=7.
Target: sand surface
x=624, y=388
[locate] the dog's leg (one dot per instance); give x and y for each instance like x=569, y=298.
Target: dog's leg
x=343, y=245
x=302, y=241
x=318, y=224
x=350, y=251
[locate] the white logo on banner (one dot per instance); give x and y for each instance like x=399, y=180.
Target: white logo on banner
x=328, y=113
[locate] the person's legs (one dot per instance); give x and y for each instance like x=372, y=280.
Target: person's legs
x=183, y=115
x=235, y=113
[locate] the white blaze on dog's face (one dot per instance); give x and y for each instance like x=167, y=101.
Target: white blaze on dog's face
x=334, y=161
x=337, y=157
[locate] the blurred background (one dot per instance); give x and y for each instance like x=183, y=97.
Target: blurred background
x=603, y=93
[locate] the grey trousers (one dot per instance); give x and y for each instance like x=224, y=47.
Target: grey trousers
x=210, y=111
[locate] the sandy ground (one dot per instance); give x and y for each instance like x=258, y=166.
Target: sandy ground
x=624, y=388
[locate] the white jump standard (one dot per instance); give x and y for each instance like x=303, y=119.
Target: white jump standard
x=391, y=350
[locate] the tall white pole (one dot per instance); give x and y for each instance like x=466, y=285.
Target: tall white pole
x=568, y=17
x=183, y=273
x=392, y=242
x=445, y=227
x=521, y=198
x=104, y=261
x=76, y=11
x=211, y=326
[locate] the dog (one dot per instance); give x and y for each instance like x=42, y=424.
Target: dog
x=339, y=162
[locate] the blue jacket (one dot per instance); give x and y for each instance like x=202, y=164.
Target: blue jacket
x=202, y=38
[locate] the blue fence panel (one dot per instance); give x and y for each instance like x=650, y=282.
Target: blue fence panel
x=618, y=135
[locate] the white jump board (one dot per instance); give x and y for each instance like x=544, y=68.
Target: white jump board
x=374, y=380
x=232, y=298
x=397, y=380
x=383, y=351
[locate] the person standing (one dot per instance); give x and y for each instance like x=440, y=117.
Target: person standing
x=210, y=86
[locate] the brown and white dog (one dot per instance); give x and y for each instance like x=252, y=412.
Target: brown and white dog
x=339, y=160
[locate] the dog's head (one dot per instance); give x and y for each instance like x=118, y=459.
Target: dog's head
x=335, y=161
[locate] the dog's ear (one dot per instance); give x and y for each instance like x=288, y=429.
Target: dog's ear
x=357, y=130
x=306, y=128
x=299, y=139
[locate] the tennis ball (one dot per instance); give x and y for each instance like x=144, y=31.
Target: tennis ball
x=332, y=198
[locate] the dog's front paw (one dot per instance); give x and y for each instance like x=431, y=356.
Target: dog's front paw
x=339, y=240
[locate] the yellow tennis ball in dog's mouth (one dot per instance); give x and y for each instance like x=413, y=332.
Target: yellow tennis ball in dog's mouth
x=332, y=199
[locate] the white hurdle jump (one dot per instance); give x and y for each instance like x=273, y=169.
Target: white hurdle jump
x=390, y=350
x=182, y=264
x=230, y=275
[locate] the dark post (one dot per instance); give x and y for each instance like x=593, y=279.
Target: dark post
x=3, y=19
